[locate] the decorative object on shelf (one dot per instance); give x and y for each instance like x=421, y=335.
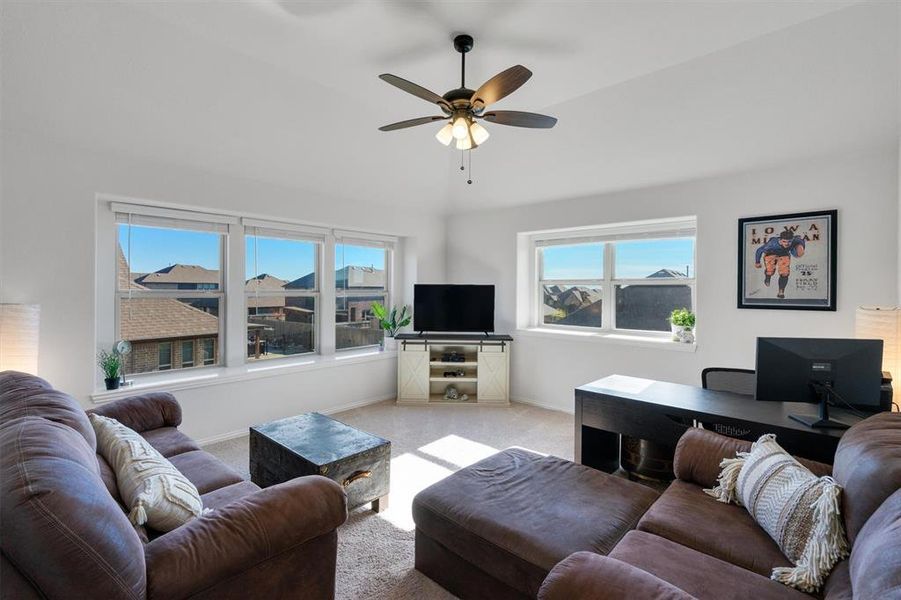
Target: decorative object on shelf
x=453, y=357
x=20, y=326
x=391, y=322
x=882, y=323
x=788, y=261
x=455, y=373
x=462, y=107
x=111, y=365
x=123, y=348
x=453, y=394
x=682, y=322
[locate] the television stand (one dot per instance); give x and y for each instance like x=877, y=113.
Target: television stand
x=476, y=364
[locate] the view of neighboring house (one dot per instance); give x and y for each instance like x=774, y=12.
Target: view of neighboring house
x=174, y=333
x=639, y=307
x=165, y=333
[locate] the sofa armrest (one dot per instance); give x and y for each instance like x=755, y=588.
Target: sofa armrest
x=699, y=453
x=590, y=576
x=144, y=412
x=241, y=535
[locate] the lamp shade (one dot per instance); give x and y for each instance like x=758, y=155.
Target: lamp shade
x=20, y=326
x=882, y=323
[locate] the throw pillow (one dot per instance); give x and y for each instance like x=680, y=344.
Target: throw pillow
x=155, y=491
x=800, y=511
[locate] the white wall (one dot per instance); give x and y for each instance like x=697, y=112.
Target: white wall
x=47, y=256
x=863, y=187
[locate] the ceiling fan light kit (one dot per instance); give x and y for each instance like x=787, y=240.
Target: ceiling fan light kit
x=463, y=106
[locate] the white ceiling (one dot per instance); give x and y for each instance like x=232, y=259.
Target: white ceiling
x=646, y=92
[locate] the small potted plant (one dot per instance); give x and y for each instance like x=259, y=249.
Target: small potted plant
x=111, y=365
x=682, y=322
x=391, y=322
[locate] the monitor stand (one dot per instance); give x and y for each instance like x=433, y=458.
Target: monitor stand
x=824, y=391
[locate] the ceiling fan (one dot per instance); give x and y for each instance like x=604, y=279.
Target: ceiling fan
x=463, y=107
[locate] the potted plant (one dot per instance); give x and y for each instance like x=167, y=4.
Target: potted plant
x=391, y=322
x=111, y=365
x=682, y=322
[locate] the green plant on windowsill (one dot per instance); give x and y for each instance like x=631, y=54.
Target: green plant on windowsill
x=391, y=321
x=111, y=365
x=683, y=323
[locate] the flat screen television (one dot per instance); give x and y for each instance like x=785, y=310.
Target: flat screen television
x=460, y=308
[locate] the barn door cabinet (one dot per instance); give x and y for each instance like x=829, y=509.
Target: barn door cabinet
x=478, y=366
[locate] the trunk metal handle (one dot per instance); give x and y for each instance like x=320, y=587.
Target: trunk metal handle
x=355, y=476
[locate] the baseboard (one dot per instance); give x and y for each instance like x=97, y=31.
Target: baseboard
x=357, y=404
x=224, y=437
x=544, y=405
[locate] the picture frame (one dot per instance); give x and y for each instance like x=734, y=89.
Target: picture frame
x=788, y=261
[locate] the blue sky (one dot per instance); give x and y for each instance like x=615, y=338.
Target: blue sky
x=634, y=260
x=153, y=249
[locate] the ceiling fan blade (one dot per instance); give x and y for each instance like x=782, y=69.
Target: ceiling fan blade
x=501, y=85
x=517, y=118
x=416, y=90
x=411, y=123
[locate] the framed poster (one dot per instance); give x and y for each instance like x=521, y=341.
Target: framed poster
x=788, y=261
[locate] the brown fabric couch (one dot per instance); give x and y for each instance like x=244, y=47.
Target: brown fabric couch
x=65, y=533
x=688, y=545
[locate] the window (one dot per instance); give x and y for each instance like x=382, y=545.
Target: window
x=187, y=354
x=627, y=277
x=169, y=288
x=281, y=291
x=169, y=273
x=164, y=356
x=361, y=278
x=209, y=351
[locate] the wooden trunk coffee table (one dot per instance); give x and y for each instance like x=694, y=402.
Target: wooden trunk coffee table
x=314, y=444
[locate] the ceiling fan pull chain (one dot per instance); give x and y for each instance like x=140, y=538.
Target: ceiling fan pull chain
x=469, y=181
x=462, y=155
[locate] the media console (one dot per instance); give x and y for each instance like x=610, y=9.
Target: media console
x=426, y=362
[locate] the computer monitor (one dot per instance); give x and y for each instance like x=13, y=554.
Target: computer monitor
x=836, y=371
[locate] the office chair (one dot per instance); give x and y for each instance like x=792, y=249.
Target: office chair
x=737, y=381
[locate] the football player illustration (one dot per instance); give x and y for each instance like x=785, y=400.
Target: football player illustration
x=777, y=254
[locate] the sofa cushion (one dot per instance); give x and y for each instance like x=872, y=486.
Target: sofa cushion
x=204, y=470
x=23, y=395
x=800, y=511
x=686, y=515
x=169, y=441
x=875, y=567
x=228, y=494
x=61, y=528
x=156, y=493
x=108, y=475
x=698, y=574
x=516, y=514
x=868, y=465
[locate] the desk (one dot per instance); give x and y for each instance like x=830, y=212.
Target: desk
x=661, y=412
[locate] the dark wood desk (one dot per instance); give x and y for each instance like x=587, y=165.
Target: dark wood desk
x=661, y=412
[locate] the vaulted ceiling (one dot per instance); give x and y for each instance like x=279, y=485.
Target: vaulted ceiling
x=645, y=92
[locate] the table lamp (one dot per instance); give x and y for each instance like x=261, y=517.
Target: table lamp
x=882, y=323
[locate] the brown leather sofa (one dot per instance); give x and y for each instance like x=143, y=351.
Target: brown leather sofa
x=65, y=533
x=687, y=545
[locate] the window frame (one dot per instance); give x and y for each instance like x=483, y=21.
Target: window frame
x=609, y=236
x=385, y=291
x=298, y=235
x=230, y=345
x=161, y=366
x=208, y=361
x=171, y=219
x=193, y=348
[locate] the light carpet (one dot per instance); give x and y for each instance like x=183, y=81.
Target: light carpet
x=428, y=443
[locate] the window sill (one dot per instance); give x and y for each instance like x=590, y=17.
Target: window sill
x=659, y=343
x=175, y=381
